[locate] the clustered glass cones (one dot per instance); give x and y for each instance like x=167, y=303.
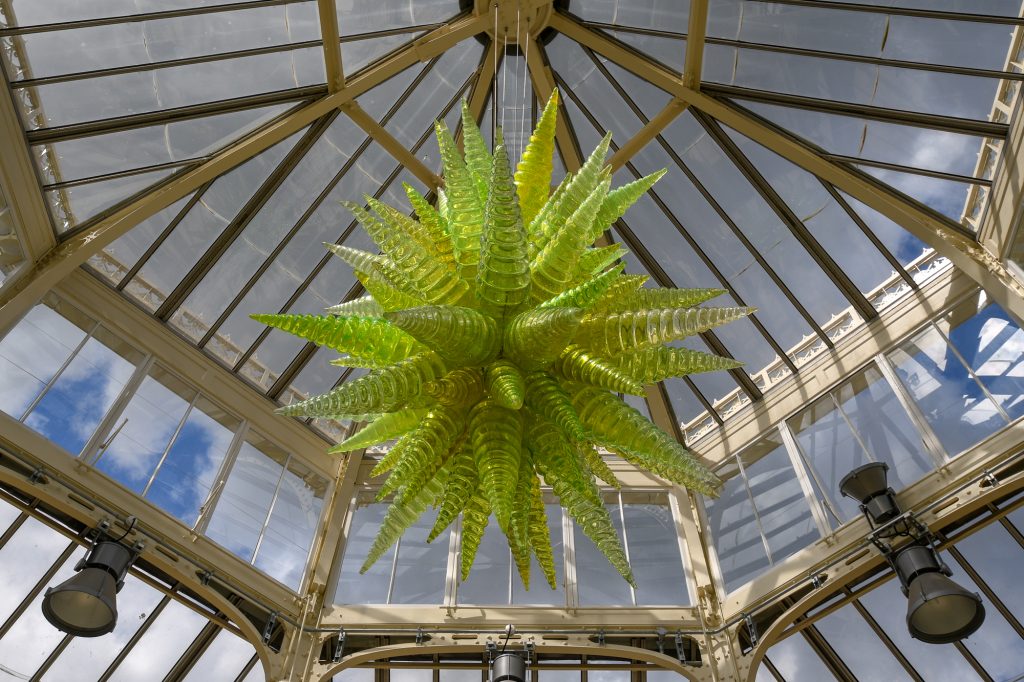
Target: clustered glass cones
x=497, y=339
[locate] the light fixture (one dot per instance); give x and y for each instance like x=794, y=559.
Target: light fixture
x=85, y=605
x=508, y=667
x=867, y=484
x=938, y=610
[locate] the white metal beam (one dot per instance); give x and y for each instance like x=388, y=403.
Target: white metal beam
x=20, y=181
x=56, y=263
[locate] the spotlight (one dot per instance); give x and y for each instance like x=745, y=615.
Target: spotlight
x=85, y=605
x=510, y=667
x=867, y=484
x=938, y=610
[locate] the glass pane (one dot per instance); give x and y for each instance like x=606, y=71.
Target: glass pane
x=355, y=675
x=184, y=480
x=145, y=429
x=31, y=639
x=859, y=647
x=222, y=660
x=598, y=583
x=996, y=645
x=993, y=346
x=654, y=554
x=421, y=567
x=740, y=547
x=372, y=586
x=83, y=660
x=540, y=593
x=78, y=203
x=796, y=660
x=85, y=157
x=147, y=42
x=868, y=425
x=242, y=507
x=488, y=582
x=33, y=351
x=997, y=558
x=285, y=545
x=162, y=645
x=73, y=407
x=949, y=398
x=785, y=517
x=27, y=555
x=887, y=606
x=199, y=228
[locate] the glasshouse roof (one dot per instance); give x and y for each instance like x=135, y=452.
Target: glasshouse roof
x=851, y=170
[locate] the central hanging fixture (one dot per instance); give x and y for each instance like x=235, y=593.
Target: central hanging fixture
x=498, y=340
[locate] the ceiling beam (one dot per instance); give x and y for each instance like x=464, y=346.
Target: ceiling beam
x=59, y=261
x=392, y=146
x=483, y=84
x=543, y=83
x=946, y=237
x=332, y=44
x=20, y=183
x=694, y=62
x=649, y=132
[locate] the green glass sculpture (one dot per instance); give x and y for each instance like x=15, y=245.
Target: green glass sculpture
x=497, y=340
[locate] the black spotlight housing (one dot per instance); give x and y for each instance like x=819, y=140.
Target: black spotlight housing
x=868, y=485
x=85, y=605
x=508, y=668
x=938, y=610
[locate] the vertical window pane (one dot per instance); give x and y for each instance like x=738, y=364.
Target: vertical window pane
x=372, y=586
x=34, y=350
x=540, y=593
x=779, y=500
x=421, y=567
x=954, y=405
x=869, y=425
x=993, y=346
x=488, y=582
x=242, y=508
x=654, y=552
x=145, y=429
x=184, y=480
x=598, y=583
x=70, y=411
x=293, y=522
x=740, y=548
